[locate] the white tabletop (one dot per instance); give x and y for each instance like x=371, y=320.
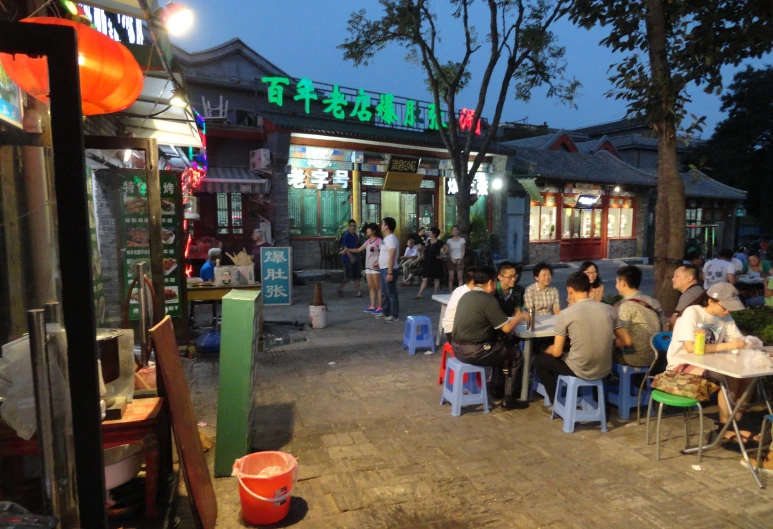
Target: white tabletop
x=736, y=366
x=442, y=298
x=542, y=329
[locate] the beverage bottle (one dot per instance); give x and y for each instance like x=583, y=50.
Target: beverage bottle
x=700, y=340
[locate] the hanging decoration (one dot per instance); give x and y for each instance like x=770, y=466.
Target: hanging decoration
x=110, y=78
x=192, y=177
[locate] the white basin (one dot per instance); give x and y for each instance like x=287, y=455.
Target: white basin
x=122, y=464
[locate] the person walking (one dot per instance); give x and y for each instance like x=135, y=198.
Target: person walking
x=352, y=272
x=433, y=267
x=372, y=249
x=387, y=265
x=455, y=248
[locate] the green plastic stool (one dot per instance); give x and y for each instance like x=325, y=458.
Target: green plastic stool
x=678, y=402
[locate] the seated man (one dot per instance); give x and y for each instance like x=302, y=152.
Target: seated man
x=478, y=325
x=410, y=256
x=591, y=327
x=414, y=266
x=541, y=296
x=686, y=280
x=641, y=315
x=207, y=272
x=509, y=293
x=456, y=295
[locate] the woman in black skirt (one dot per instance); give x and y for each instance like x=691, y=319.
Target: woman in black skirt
x=433, y=267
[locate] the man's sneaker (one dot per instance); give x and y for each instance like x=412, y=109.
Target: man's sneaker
x=379, y=314
x=766, y=467
x=378, y=311
x=370, y=310
x=391, y=318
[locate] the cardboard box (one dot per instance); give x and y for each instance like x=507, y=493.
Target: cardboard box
x=226, y=276
x=246, y=275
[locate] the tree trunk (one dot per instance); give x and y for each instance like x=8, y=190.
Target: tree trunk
x=463, y=207
x=669, y=218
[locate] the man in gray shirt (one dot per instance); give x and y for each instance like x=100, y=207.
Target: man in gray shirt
x=591, y=327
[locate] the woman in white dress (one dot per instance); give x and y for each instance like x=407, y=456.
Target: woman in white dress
x=455, y=248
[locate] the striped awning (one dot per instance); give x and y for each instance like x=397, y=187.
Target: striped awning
x=233, y=180
x=531, y=188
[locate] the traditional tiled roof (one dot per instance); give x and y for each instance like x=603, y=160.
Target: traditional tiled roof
x=699, y=185
x=591, y=146
x=632, y=141
x=353, y=129
x=544, y=141
x=601, y=167
x=611, y=127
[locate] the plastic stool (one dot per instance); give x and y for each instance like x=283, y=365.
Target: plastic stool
x=454, y=392
x=538, y=387
x=621, y=395
x=418, y=333
x=579, y=393
x=448, y=352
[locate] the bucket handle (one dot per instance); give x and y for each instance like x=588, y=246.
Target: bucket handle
x=271, y=500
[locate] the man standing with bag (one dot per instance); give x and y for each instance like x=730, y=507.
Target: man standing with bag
x=477, y=337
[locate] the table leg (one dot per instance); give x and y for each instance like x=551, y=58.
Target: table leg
x=151, y=480
x=440, y=324
x=741, y=401
x=526, y=368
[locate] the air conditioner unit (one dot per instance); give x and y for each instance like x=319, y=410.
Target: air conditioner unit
x=260, y=160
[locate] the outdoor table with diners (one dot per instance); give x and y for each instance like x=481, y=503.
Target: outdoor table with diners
x=543, y=328
x=750, y=285
x=735, y=366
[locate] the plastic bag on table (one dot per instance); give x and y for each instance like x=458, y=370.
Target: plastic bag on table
x=18, y=409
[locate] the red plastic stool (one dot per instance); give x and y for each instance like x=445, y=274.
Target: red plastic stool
x=449, y=351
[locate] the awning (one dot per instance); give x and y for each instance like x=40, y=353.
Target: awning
x=233, y=180
x=531, y=188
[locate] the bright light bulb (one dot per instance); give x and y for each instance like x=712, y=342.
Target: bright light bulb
x=497, y=184
x=81, y=59
x=179, y=19
x=178, y=101
x=617, y=189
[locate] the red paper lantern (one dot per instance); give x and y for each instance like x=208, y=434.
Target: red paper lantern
x=111, y=79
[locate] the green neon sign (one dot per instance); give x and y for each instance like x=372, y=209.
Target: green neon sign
x=276, y=88
x=336, y=103
x=305, y=92
x=386, y=109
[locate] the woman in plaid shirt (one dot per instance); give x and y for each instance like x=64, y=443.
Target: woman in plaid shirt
x=541, y=296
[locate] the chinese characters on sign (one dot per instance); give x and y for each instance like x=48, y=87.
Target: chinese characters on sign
x=363, y=106
x=136, y=238
x=276, y=275
x=318, y=179
x=404, y=165
x=479, y=185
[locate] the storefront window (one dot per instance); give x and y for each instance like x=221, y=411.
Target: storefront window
x=318, y=213
x=229, y=213
x=371, y=206
x=542, y=220
x=620, y=217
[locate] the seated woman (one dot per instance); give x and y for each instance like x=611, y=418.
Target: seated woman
x=756, y=264
x=590, y=269
x=722, y=335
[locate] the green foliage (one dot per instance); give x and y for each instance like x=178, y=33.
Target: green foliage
x=740, y=152
x=479, y=235
x=612, y=299
x=702, y=36
x=756, y=322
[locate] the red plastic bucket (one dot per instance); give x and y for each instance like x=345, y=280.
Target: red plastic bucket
x=265, y=500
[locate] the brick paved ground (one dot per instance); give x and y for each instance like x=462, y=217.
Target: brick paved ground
x=376, y=450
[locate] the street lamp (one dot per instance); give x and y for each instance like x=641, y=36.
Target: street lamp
x=497, y=184
x=177, y=18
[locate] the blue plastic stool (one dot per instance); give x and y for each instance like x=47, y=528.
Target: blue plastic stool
x=539, y=388
x=418, y=333
x=625, y=395
x=579, y=393
x=455, y=393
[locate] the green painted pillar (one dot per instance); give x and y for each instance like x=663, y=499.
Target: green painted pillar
x=242, y=324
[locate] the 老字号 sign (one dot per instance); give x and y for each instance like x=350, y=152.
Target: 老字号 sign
x=276, y=276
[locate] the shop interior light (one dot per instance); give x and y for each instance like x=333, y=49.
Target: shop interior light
x=617, y=189
x=177, y=18
x=127, y=155
x=178, y=99
x=497, y=184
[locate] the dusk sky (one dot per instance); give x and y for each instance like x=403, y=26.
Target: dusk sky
x=301, y=37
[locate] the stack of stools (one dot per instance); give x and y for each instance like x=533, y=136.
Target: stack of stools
x=459, y=393
x=418, y=333
x=579, y=393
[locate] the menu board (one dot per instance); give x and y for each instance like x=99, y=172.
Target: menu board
x=136, y=240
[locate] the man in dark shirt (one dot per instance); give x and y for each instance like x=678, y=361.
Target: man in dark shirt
x=475, y=338
x=509, y=293
x=686, y=281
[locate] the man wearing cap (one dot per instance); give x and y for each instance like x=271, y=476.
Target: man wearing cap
x=722, y=335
